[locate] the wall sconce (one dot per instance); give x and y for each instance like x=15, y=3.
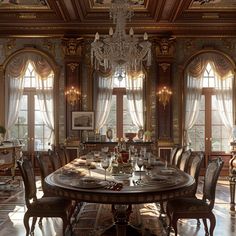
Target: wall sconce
x=72, y=95
x=164, y=95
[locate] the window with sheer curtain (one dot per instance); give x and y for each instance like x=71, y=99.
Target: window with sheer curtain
x=209, y=96
x=120, y=104
x=30, y=116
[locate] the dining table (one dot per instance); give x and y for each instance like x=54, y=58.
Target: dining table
x=85, y=182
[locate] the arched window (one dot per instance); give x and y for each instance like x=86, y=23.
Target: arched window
x=208, y=114
x=30, y=111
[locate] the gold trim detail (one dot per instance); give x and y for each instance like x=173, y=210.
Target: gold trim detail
x=73, y=66
x=164, y=66
x=27, y=16
x=165, y=46
x=72, y=46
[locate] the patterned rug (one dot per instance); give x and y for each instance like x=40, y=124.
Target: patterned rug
x=93, y=219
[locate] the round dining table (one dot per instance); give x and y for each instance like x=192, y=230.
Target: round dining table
x=74, y=181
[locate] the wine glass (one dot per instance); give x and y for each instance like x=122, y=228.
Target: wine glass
x=105, y=164
x=89, y=160
x=140, y=164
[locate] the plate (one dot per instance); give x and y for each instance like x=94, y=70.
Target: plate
x=88, y=183
x=121, y=176
x=168, y=171
x=158, y=177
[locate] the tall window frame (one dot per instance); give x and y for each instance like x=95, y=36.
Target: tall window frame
x=209, y=91
x=120, y=123
x=14, y=69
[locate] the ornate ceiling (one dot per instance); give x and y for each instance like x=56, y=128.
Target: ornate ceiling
x=179, y=18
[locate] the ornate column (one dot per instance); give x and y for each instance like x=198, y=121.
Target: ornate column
x=164, y=48
x=72, y=48
x=2, y=96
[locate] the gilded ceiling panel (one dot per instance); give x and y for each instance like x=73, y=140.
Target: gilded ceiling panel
x=107, y=3
x=213, y=4
x=23, y=4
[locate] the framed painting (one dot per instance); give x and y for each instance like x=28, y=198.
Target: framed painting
x=82, y=120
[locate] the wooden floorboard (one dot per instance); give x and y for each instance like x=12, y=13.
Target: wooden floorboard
x=12, y=210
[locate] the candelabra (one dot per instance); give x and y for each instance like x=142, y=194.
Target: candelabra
x=164, y=95
x=72, y=95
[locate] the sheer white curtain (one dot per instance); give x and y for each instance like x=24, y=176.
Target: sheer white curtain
x=104, y=99
x=14, y=90
x=44, y=91
x=224, y=95
x=13, y=103
x=193, y=98
x=134, y=91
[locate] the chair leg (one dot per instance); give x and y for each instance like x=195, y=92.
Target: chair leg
x=26, y=223
x=212, y=223
x=33, y=224
x=40, y=222
x=65, y=224
x=174, y=225
x=198, y=223
x=205, y=226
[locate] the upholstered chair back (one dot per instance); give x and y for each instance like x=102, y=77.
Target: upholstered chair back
x=184, y=160
x=44, y=167
x=27, y=172
x=178, y=154
x=211, y=177
x=172, y=154
x=55, y=160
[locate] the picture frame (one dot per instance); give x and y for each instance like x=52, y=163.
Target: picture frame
x=82, y=120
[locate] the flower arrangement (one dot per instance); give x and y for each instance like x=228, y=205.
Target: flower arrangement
x=148, y=135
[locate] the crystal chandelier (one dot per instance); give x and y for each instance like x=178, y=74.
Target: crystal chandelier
x=118, y=49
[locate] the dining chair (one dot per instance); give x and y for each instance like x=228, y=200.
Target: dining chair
x=172, y=154
x=184, y=159
x=178, y=156
x=54, y=159
x=41, y=207
x=61, y=153
x=194, y=208
x=45, y=170
x=194, y=167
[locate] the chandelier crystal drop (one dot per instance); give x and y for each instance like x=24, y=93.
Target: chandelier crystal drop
x=118, y=49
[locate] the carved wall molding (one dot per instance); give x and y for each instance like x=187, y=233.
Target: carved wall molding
x=165, y=46
x=49, y=46
x=72, y=66
x=9, y=46
x=72, y=46
x=164, y=66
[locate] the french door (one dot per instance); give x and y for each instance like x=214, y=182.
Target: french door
x=30, y=127
x=209, y=133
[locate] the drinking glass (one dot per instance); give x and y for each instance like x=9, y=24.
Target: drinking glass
x=166, y=161
x=105, y=164
x=89, y=160
x=140, y=164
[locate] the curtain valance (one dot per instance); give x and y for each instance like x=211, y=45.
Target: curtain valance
x=219, y=64
x=17, y=66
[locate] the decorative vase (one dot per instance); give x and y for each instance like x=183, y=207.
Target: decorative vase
x=109, y=134
x=140, y=134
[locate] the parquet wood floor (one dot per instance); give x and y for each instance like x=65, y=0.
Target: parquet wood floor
x=12, y=210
